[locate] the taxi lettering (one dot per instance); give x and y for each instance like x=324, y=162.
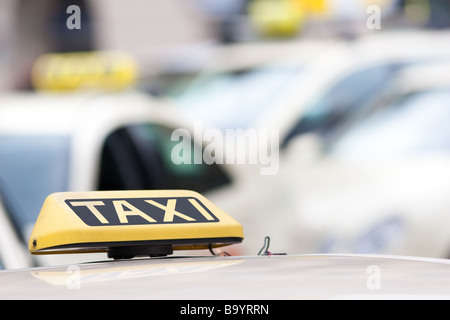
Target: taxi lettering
x=133, y=211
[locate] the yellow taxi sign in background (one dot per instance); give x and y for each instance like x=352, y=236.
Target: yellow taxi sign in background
x=130, y=223
x=284, y=18
x=99, y=70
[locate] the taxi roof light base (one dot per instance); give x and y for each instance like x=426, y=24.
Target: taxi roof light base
x=129, y=252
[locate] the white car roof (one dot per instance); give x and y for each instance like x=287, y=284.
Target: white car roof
x=31, y=112
x=257, y=277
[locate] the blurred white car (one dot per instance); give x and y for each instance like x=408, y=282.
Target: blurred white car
x=320, y=95
x=381, y=185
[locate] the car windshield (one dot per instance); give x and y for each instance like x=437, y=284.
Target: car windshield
x=31, y=167
x=416, y=123
x=235, y=100
x=350, y=95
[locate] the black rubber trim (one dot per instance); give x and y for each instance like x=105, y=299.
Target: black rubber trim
x=118, y=249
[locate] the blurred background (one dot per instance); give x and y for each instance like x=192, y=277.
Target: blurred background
x=358, y=91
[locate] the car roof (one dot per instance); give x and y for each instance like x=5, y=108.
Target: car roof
x=63, y=112
x=256, y=277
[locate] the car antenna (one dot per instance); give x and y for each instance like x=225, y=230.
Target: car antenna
x=265, y=248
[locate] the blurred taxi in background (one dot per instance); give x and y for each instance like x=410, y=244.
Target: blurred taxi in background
x=330, y=84
x=380, y=185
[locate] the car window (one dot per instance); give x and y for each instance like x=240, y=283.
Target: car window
x=342, y=100
x=414, y=123
x=138, y=156
x=31, y=167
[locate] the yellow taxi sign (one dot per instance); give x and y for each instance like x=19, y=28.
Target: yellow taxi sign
x=131, y=223
x=99, y=70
